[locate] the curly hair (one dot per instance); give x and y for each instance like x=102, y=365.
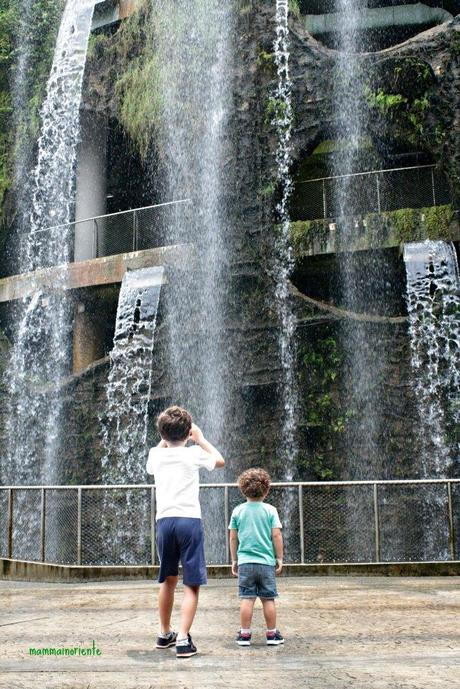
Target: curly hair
x=174, y=424
x=254, y=483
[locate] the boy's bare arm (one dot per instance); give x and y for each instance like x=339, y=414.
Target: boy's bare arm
x=197, y=436
x=277, y=539
x=234, y=550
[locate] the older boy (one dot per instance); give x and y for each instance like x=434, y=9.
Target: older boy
x=178, y=520
x=256, y=547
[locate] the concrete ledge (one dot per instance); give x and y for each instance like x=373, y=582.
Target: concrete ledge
x=97, y=271
x=386, y=230
x=21, y=570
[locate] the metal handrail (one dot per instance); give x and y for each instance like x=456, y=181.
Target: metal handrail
x=274, y=484
x=368, y=172
x=111, y=215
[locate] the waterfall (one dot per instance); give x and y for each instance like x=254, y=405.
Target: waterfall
x=128, y=389
x=284, y=261
x=124, y=422
x=42, y=339
x=193, y=43
x=433, y=304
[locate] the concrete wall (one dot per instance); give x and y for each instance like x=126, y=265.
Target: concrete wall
x=91, y=191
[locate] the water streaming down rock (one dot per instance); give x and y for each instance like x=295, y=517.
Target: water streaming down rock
x=21, y=91
x=194, y=47
x=433, y=303
x=125, y=419
x=40, y=355
x=284, y=261
x=360, y=287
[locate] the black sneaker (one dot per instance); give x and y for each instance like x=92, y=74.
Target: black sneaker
x=274, y=638
x=186, y=650
x=243, y=639
x=167, y=641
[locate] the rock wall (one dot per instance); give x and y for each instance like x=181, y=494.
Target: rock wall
x=250, y=326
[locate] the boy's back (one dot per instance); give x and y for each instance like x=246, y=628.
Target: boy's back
x=254, y=522
x=176, y=471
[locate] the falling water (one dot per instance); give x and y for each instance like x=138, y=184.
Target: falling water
x=128, y=389
x=284, y=261
x=41, y=344
x=193, y=40
x=433, y=303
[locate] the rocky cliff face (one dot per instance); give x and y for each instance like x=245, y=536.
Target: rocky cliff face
x=251, y=326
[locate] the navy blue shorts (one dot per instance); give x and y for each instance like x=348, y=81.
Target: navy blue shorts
x=181, y=539
x=256, y=580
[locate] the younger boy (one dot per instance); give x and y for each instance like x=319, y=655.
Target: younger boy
x=179, y=529
x=256, y=547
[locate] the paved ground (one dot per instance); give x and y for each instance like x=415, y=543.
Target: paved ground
x=373, y=633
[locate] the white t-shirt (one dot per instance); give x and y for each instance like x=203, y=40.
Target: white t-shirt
x=177, y=483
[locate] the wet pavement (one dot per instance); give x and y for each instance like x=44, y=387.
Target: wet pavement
x=365, y=633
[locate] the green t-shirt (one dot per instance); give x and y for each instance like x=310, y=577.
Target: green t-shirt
x=254, y=522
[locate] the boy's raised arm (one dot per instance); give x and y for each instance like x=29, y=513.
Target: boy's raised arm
x=197, y=436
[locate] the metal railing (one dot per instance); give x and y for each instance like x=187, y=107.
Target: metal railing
x=324, y=522
x=375, y=191
x=121, y=232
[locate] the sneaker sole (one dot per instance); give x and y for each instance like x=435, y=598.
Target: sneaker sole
x=173, y=643
x=186, y=655
x=275, y=643
x=243, y=643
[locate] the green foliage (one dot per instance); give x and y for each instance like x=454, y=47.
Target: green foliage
x=140, y=107
x=44, y=22
x=405, y=223
x=399, y=96
x=294, y=8
x=438, y=221
x=275, y=110
x=324, y=416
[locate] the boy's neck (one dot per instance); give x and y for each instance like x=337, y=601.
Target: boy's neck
x=256, y=499
x=179, y=443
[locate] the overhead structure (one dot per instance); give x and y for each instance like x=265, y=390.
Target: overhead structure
x=111, y=11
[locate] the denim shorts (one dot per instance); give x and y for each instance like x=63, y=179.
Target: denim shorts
x=257, y=581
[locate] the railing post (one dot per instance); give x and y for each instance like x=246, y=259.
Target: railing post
x=226, y=518
x=79, y=527
x=134, y=231
x=379, y=206
x=152, y=525
x=95, y=239
x=377, y=523
x=433, y=187
x=451, y=521
x=301, y=526
x=42, y=524
x=324, y=200
x=9, y=549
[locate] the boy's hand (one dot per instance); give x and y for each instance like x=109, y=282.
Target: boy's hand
x=279, y=566
x=235, y=568
x=196, y=434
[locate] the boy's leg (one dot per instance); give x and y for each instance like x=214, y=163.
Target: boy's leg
x=246, y=612
x=188, y=610
x=166, y=602
x=269, y=609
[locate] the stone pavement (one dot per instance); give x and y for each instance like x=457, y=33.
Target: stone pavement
x=364, y=633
